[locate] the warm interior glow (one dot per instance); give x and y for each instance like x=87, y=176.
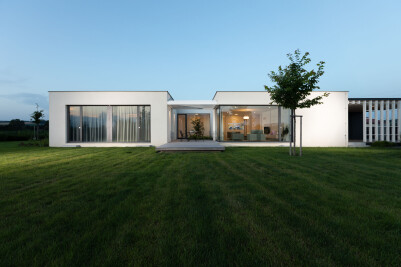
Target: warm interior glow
x=253, y=124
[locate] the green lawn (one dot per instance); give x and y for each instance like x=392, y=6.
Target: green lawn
x=246, y=206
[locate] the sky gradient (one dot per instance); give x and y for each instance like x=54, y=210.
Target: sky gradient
x=191, y=48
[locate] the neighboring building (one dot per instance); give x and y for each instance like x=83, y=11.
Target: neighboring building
x=234, y=118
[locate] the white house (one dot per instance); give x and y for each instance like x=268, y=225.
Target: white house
x=233, y=118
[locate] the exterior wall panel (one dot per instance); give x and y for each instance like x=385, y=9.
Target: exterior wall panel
x=324, y=125
x=58, y=102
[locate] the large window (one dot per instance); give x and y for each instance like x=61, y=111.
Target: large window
x=108, y=124
x=74, y=124
x=131, y=124
x=94, y=124
x=254, y=123
x=185, y=127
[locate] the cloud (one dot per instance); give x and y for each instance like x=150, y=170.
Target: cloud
x=13, y=81
x=29, y=99
x=8, y=77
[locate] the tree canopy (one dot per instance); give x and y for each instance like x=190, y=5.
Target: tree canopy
x=293, y=83
x=37, y=115
x=16, y=124
x=197, y=124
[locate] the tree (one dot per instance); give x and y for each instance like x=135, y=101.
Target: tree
x=16, y=125
x=293, y=85
x=197, y=124
x=35, y=117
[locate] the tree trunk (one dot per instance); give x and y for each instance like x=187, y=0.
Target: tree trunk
x=293, y=151
x=291, y=132
x=300, y=137
x=295, y=134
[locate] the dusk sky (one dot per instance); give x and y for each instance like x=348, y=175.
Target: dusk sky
x=191, y=48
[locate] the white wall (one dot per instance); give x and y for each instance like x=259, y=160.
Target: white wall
x=242, y=98
x=323, y=125
x=58, y=102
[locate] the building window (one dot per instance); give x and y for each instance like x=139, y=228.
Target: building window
x=94, y=124
x=131, y=124
x=122, y=124
x=185, y=127
x=254, y=124
x=74, y=124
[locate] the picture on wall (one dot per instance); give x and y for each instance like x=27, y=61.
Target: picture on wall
x=235, y=126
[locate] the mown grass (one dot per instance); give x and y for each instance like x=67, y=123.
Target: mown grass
x=246, y=206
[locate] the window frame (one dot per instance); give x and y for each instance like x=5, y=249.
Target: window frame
x=109, y=124
x=219, y=126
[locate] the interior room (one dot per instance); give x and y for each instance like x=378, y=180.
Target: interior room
x=254, y=124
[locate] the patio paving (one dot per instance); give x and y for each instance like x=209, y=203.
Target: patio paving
x=191, y=146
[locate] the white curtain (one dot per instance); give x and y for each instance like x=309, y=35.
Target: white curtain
x=131, y=123
x=94, y=128
x=125, y=120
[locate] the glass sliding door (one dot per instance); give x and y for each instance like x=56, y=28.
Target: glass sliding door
x=285, y=126
x=125, y=124
x=182, y=126
x=74, y=121
x=94, y=119
x=204, y=118
x=253, y=123
x=131, y=124
x=144, y=123
x=185, y=127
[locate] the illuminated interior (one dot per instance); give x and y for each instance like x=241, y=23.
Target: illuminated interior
x=185, y=127
x=254, y=124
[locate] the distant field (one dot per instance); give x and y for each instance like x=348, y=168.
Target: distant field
x=246, y=206
x=20, y=135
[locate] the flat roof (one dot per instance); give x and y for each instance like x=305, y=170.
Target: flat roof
x=192, y=103
x=204, y=102
x=267, y=92
x=370, y=98
x=107, y=91
x=85, y=91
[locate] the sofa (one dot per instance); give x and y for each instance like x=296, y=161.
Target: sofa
x=237, y=136
x=256, y=135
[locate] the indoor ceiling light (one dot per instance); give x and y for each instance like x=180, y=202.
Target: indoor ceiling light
x=246, y=117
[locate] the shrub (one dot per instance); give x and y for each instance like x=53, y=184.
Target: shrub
x=39, y=143
x=16, y=125
x=20, y=135
x=13, y=136
x=197, y=137
x=382, y=144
